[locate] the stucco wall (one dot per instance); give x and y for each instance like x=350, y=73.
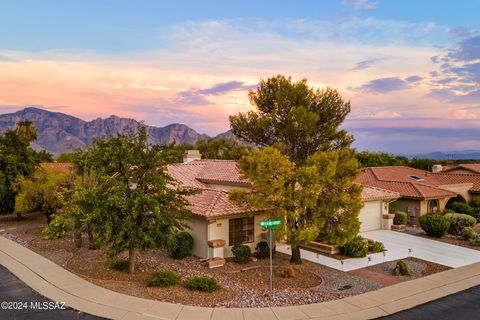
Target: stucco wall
x=199, y=233
x=218, y=229
x=461, y=189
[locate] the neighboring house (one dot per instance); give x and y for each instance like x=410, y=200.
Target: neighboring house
x=57, y=166
x=421, y=191
x=218, y=224
x=463, y=168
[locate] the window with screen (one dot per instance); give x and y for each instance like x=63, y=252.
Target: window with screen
x=241, y=230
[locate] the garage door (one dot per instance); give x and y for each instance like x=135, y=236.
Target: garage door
x=370, y=216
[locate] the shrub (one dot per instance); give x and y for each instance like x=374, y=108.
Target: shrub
x=289, y=272
x=163, y=278
x=207, y=284
x=475, y=241
x=434, y=225
x=468, y=233
x=262, y=251
x=241, y=253
x=460, y=207
x=56, y=228
x=459, y=221
x=356, y=248
x=181, y=245
x=119, y=264
x=401, y=269
x=445, y=211
x=375, y=246
x=400, y=218
x=475, y=204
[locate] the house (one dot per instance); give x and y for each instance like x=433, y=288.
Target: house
x=462, y=168
x=218, y=224
x=421, y=191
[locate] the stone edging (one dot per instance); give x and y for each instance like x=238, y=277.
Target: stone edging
x=56, y=283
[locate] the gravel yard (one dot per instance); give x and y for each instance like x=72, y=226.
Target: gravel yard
x=312, y=283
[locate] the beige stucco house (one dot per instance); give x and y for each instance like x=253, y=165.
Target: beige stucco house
x=218, y=224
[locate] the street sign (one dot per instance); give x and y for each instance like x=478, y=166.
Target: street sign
x=271, y=224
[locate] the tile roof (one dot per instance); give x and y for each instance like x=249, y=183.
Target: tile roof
x=213, y=203
x=399, y=179
x=473, y=167
x=444, y=178
x=58, y=166
x=372, y=194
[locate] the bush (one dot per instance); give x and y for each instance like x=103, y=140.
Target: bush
x=181, y=245
x=400, y=218
x=434, y=225
x=56, y=228
x=207, y=284
x=163, y=278
x=460, y=207
x=475, y=204
x=401, y=269
x=468, y=233
x=356, y=248
x=241, y=253
x=119, y=264
x=262, y=251
x=475, y=241
x=459, y=221
x=445, y=211
x=375, y=246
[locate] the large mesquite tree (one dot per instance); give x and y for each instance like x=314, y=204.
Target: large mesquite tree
x=303, y=124
x=130, y=202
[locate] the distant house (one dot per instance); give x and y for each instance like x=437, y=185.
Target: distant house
x=463, y=168
x=421, y=191
x=57, y=166
x=218, y=224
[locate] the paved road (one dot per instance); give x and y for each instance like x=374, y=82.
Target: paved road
x=458, y=306
x=12, y=289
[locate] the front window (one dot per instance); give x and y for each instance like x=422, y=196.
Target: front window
x=433, y=206
x=240, y=230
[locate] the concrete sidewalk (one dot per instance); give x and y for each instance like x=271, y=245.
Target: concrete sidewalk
x=57, y=284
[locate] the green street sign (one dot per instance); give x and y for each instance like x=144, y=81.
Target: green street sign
x=270, y=224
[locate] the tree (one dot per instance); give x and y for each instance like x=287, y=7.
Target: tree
x=26, y=130
x=44, y=156
x=42, y=192
x=423, y=164
x=17, y=160
x=380, y=159
x=302, y=122
x=134, y=204
x=225, y=149
x=65, y=157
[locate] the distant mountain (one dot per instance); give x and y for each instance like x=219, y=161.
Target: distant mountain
x=449, y=155
x=59, y=132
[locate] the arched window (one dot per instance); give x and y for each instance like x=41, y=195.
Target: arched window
x=433, y=206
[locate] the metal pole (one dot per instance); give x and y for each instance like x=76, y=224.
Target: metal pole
x=271, y=267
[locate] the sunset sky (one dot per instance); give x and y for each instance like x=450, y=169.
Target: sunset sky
x=411, y=69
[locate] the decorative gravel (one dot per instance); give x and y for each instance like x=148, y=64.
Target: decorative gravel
x=387, y=268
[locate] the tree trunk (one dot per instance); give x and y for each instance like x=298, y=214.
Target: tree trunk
x=19, y=216
x=78, y=232
x=296, y=257
x=131, y=258
x=49, y=218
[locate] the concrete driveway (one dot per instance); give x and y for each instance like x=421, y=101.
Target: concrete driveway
x=398, y=245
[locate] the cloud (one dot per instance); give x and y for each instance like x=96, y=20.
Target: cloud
x=468, y=50
x=385, y=85
x=361, y=4
x=222, y=88
x=460, y=32
x=361, y=65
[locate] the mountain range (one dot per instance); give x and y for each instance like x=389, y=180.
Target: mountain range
x=59, y=132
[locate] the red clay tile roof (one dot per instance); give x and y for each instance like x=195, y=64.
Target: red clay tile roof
x=399, y=179
x=59, y=166
x=473, y=167
x=213, y=203
x=444, y=178
x=372, y=194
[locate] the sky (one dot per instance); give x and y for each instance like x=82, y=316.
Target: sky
x=411, y=69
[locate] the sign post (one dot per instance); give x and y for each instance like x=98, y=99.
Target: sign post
x=271, y=225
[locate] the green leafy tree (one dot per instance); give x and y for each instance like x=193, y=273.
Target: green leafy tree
x=17, y=160
x=134, y=204
x=42, y=192
x=423, y=164
x=380, y=159
x=26, y=130
x=44, y=156
x=302, y=196
x=304, y=123
x=225, y=149
x=65, y=157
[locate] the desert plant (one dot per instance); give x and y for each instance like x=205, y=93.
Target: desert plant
x=180, y=245
x=401, y=269
x=262, y=251
x=375, y=246
x=57, y=227
x=241, y=253
x=475, y=241
x=400, y=218
x=119, y=264
x=434, y=225
x=356, y=248
x=289, y=272
x=204, y=283
x=459, y=221
x=468, y=233
x=163, y=278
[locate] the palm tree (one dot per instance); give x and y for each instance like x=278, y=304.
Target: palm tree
x=26, y=130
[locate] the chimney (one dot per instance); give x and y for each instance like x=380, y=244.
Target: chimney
x=191, y=155
x=437, y=168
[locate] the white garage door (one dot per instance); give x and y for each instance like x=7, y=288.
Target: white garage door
x=371, y=216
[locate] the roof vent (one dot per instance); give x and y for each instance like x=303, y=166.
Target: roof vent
x=191, y=155
x=416, y=178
